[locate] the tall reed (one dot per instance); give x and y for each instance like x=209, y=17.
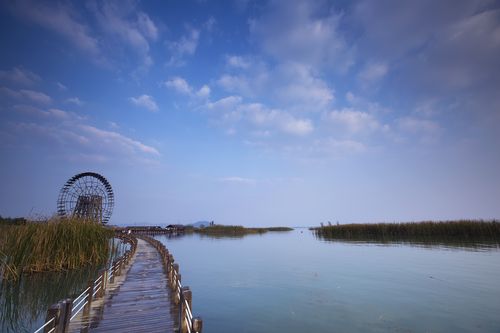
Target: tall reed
x=58, y=244
x=464, y=230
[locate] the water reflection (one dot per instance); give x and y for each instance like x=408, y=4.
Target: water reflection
x=24, y=303
x=437, y=243
x=294, y=282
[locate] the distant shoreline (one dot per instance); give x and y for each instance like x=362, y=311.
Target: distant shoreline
x=463, y=230
x=234, y=230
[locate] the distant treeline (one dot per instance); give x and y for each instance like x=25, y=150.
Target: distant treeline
x=464, y=230
x=233, y=230
x=12, y=220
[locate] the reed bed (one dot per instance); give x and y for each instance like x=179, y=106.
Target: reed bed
x=235, y=230
x=464, y=230
x=55, y=245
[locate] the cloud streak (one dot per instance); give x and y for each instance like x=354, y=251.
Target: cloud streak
x=145, y=101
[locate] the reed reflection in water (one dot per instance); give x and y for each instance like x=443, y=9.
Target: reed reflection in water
x=24, y=303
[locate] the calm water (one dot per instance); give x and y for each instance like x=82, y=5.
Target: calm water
x=24, y=303
x=293, y=282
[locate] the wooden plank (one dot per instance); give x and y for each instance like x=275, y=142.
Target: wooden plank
x=139, y=300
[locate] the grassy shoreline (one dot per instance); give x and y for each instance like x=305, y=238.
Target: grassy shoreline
x=54, y=245
x=464, y=230
x=234, y=230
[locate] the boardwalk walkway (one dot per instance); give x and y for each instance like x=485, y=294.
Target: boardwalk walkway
x=138, y=301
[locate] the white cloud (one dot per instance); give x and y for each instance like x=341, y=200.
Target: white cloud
x=185, y=46
x=231, y=110
x=61, y=86
x=331, y=146
x=305, y=31
x=296, y=86
x=355, y=121
x=295, y=126
x=373, y=72
x=145, y=101
x=210, y=23
x=58, y=113
x=24, y=94
x=238, y=180
x=238, y=84
x=415, y=125
x=237, y=62
x=225, y=104
x=204, y=91
x=66, y=133
x=119, y=24
x=115, y=140
x=179, y=84
x=61, y=19
x=19, y=75
x=36, y=96
x=120, y=21
x=147, y=26
x=75, y=101
x=289, y=85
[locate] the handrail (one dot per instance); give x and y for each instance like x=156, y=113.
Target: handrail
x=182, y=295
x=59, y=315
x=43, y=326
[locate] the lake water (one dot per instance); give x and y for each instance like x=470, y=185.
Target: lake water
x=24, y=303
x=293, y=282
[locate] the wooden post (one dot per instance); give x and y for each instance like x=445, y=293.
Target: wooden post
x=118, y=270
x=112, y=280
x=53, y=312
x=174, y=273
x=186, y=297
x=197, y=325
x=66, y=307
x=90, y=285
x=178, y=296
x=104, y=282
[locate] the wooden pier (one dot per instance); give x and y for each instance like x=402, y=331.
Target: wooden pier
x=141, y=292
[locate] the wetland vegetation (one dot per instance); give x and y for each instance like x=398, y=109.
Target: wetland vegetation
x=53, y=245
x=234, y=230
x=464, y=231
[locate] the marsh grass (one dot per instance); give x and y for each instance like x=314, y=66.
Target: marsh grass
x=54, y=245
x=447, y=231
x=235, y=230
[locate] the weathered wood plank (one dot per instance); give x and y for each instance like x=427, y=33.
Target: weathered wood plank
x=138, y=301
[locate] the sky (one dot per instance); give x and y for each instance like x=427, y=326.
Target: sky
x=256, y=113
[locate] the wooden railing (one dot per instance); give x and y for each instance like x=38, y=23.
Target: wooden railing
x=182, y=296
x=60, y=314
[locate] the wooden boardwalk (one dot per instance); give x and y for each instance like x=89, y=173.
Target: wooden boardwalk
x=138, y=301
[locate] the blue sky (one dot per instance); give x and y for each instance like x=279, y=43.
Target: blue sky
x=254, y=112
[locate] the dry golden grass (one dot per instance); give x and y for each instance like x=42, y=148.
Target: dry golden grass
x=57, y=244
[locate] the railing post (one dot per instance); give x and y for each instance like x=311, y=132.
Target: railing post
x=66, y=307
x=53, y=312
x=118, y=270
x=174, y=274
x=112, y=280
x=177, y=286
x=104, y=282
x=186, y=301
x=90, y=286
x=197, y=325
